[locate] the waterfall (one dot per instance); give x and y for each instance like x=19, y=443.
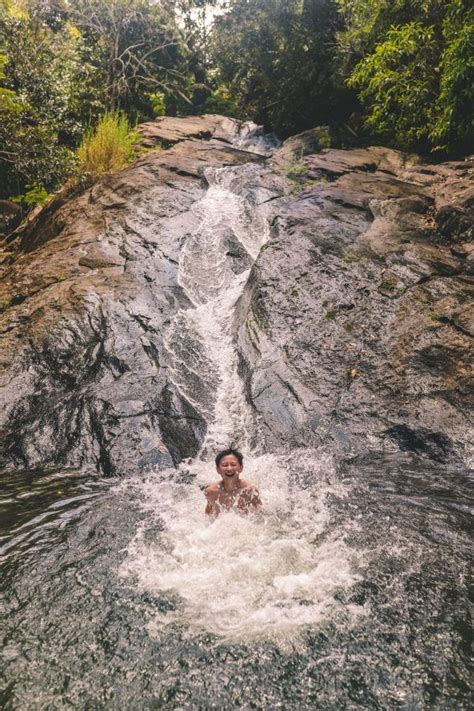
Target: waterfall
x=199, y=342
x=239, y=578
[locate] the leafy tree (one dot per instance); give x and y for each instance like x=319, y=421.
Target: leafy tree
x=277, y=59
x=220, y=102
x=453, y=120
x=40, y=76
x=412, y=63
x=139, y=46
x=397, y=83
x=196, y=18
x=10, y=110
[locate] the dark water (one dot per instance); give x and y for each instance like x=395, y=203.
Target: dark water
x=391, y=633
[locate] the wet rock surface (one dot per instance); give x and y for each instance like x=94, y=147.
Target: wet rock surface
x=86, y=292
x=355, y=328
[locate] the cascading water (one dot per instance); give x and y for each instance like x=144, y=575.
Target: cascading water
x=348, y=593
x=268, y=579
x=199, y=342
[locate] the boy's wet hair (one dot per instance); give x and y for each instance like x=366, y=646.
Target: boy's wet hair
x=226, y=453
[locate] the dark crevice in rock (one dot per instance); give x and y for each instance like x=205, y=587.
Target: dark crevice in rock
x=180, y=441
x=142, y=321
x=260, y=392
x=19, y=299
x=271, y=199
x=455, y=325
x=105, y=462
x=290, y=388
x=345, y=202
x=152, y=351
x=118, y=367
x=434, y=445
x=13, y=450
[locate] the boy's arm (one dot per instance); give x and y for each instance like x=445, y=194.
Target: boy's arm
x=210, y=509
x=252, y=496
x=255, y=498
x=211, y=505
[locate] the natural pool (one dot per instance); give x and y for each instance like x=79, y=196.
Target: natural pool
x=350, y=592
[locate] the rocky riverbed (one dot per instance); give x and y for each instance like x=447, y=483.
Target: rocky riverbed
x=353, y=331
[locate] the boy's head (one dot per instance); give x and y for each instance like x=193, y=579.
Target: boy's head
x=229, y=463
x=229, y=452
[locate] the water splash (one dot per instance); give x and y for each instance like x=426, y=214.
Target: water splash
x=241, y=578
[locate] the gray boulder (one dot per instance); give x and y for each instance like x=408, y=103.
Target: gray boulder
x=356, y=326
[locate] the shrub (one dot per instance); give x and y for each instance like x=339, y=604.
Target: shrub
x=220, y=102
x=158, y=103
x=108, y=148
x=35, y=195
x=297, y=171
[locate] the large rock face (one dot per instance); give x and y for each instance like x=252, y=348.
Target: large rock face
x=356, y=329
x=83, y=305
x=353, y=330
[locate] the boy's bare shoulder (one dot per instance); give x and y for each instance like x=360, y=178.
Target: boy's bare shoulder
x=212, y=489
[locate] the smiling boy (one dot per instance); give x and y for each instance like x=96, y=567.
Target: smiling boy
x=232, y=492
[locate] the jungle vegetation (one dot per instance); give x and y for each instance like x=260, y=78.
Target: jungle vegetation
x=397, y=72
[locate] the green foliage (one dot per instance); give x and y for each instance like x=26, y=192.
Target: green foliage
x=412, y=64
x=158, y=103
x=397, y=71
x=220, y=102
x=138, y=47
x=297, y=174
x=9, y=101
x=42, y=76
x=322, y=137
x=397, y=84
x=35, y=195
x=453, y=118
x=5, y=304
x=276, y=57
x=63, y=63
x=296, y=171
x=108, y=148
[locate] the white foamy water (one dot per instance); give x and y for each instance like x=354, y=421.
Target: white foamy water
x=199, y=342
x=241, y=577
x=269, y=574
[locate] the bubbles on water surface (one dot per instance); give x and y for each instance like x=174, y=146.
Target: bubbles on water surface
x=240, y=577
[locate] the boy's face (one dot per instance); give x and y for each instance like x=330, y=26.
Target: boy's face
x=229, y=467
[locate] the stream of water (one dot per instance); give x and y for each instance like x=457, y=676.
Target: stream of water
x=349, y=592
